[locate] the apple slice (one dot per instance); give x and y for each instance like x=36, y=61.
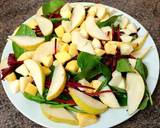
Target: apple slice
x=26, y=55
x=58, y=114
x=37, y=74
x=27, y=42
x=78, y=15
x=58, y=82
x=44, y=24
x=93, y=30
x=135, y=91
x=116, y=78
x=44, y=50
x=82, y=43
x=87, y=103
x=109, y=98
x=141, y=53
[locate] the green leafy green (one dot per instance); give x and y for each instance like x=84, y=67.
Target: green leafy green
x=57, y=20
x=141, y=68
x=91, y=66
x=143, y=71
x=108, y=22
x=52, y=6
x=120, y=94
x=123, y=65
x=23, y=30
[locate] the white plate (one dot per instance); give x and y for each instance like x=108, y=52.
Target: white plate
x=110, y=118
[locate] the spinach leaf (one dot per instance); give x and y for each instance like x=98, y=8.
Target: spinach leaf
x=73, y=109
x=141, y=68
x=23, y=30
x=91, y=66
x=123, y=65
x=57, y=20
x=143, y=71
x=120, y=94
x=52, y=6
x=108, y=22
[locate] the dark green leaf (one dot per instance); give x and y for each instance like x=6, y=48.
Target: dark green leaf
x=123, y=65
x=52, y=6
x=141, y=68
x=23, y=30
x=57, y=20
x=108, y=22
x=144, y=103
x=106, y=71
x=51, y=74
x=75, y=109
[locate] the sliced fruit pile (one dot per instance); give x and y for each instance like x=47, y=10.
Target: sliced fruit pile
x=72, y=58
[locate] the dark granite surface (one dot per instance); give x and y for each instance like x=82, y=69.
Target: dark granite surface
x=14, y=12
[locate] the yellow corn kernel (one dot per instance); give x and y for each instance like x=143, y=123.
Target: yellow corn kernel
x=99, y=52
x=46, y=70
x=11, y=77
x=66, y=37
x=59, y=31
x=31, y=89
x=47, y=60
x=72, y=66
x=64, y=47
x=63, y=56
x=73, y=50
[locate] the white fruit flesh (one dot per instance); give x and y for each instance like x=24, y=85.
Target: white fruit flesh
x=37, y=74
x=87, y=103
x=58, y=114
x=26, y=55
x=135, y=91
x=27, y=42
x=116, y=78
x=14, y=86
x=94, y=30
x=109, y=98
x=44, y=24
x=58, y=82
x=23, y=82
x=78, y=15
x=44, y=50
x=82, y=43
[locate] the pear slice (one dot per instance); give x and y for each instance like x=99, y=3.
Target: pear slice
x=58, y=82
x=82, y=43
x=44, y=24
x=26, y=55
x=78, y=15
x=44, y=50
x=93, y=30
x=109, y=98
x=37, y=74
x=27, y=42
x=135, y=91
x=4, y=63
x=87, y=103
x=58, y=114
x=141, y=53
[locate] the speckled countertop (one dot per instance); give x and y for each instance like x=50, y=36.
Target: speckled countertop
x=14, y=12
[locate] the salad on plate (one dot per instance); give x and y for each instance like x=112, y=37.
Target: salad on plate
x=77, y=62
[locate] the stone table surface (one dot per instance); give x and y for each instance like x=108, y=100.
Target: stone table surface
x=14, y=12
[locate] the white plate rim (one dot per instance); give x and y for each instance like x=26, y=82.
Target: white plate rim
x=85, y=4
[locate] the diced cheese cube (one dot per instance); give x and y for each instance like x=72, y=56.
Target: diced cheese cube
x=132, y=28
x=72, y=66
x=86, y=119
x=11, y=77
x=66, y=37
x=64, y=47
x=47, y=60
x=46, y=70
x=96, y=43
x=63, y=56
x=22, y=70
x=24, y=81
x=14, y=86
x=67, y=26
x=31, y=89
x=126, y=49
x=110, y=48
x=99, y=52
x=84, y=33
x=73, y=50
x=126, y=38
x=59, y=31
